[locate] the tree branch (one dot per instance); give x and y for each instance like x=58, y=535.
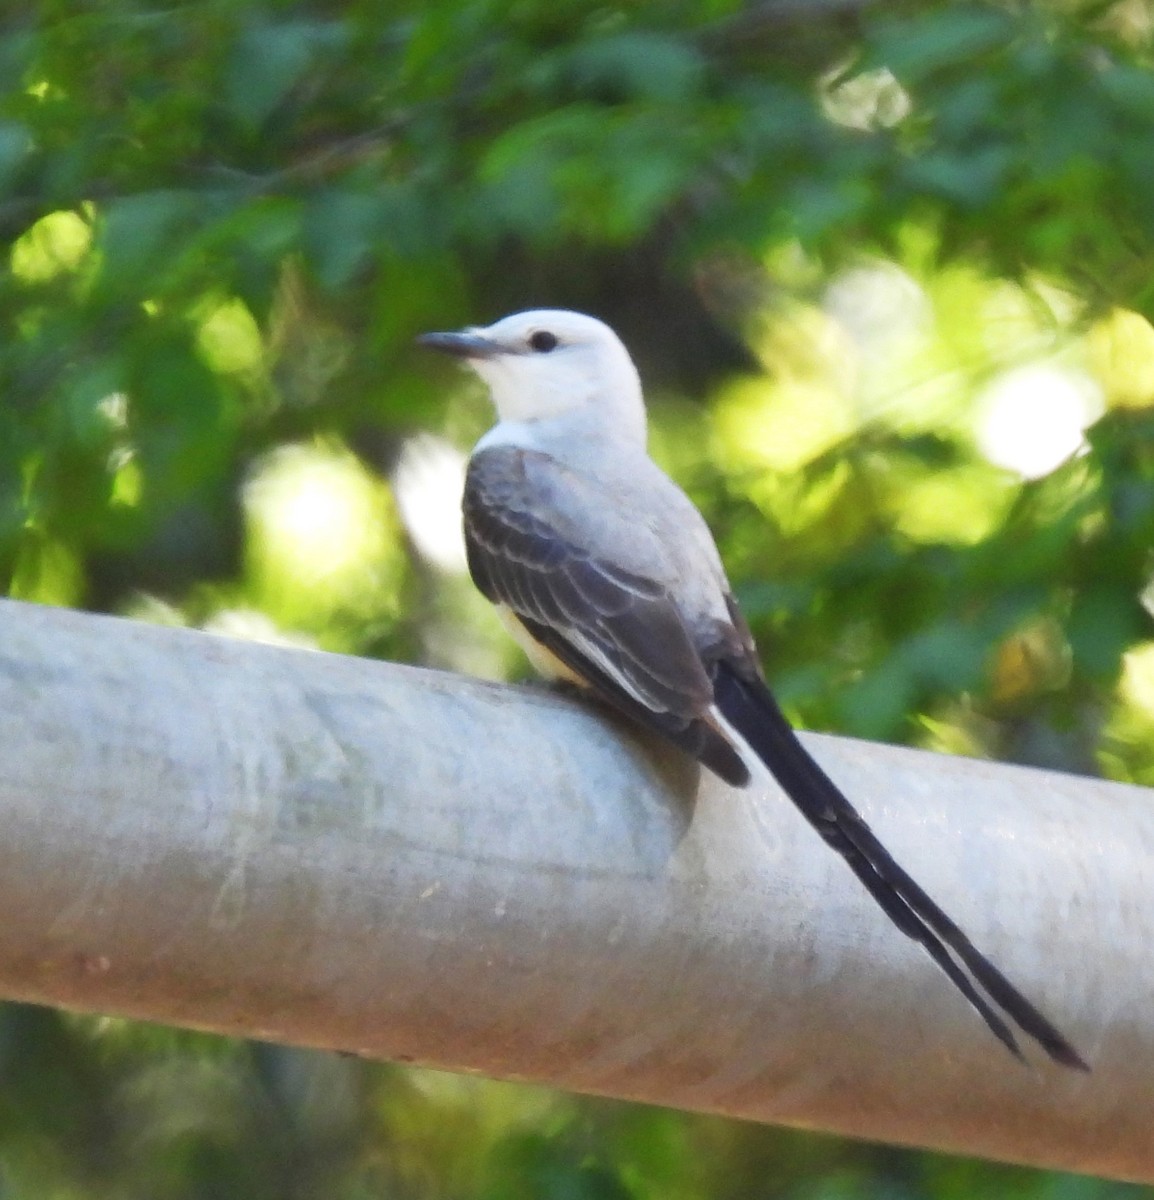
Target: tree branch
x=758, y=20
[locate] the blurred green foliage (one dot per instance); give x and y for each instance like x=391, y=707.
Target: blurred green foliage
x=889, y=273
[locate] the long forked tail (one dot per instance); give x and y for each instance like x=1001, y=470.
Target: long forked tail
x=749, y=707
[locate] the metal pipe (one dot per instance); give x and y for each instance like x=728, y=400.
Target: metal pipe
x=410, y=865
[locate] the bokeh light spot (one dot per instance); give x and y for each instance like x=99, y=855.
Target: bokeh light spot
x=428, y=480
x=323, y=553
x=1033, y=418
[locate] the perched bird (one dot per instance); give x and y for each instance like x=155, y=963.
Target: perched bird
x=608, y=576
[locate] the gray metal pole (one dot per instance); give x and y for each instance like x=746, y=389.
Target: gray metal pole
x=332, y=852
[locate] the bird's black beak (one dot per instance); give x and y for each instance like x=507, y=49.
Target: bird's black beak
x=462, y=345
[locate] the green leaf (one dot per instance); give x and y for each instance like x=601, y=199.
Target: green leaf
x=639, y=64
x=969, y=179
x=914, y=48
x=772, y=116
x=341, y=229
x=518, y=171
x=948, y=656
x=971, y=107
x=876, y=705
x=89, y=417
x=547, y=135
x=16, y=146
x=1131, y=89
x=137, y=236
x=1104, y=622
x=269, y=60
x=180, y=415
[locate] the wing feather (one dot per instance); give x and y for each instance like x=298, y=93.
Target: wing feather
x=618, y=629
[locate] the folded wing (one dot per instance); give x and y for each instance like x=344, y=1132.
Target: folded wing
x=621, y=630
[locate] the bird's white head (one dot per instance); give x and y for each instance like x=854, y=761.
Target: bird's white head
x=550, y=363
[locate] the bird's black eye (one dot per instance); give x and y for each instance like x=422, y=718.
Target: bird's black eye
x=543, y=341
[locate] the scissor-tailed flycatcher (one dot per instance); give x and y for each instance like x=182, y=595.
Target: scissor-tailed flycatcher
x=608, y=576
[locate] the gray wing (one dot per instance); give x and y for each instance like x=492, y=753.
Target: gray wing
x=541, y=541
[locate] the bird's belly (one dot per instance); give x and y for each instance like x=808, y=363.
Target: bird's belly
x=544, y=661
